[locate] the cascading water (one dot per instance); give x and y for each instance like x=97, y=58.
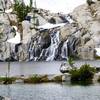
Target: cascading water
x=42, y=44
x=53, y=49
x=64, y=51
x=36, y=49
x=56, y=49
x=47, y=45
x=37, y=52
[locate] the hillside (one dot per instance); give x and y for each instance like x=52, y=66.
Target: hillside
x=78, y=37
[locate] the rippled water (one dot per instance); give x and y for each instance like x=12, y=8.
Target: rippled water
x=50, y=91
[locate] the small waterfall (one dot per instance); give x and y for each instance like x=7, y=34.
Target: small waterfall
x=53, y=49
x=64, y=50
x=42, y=50
x=53, y=52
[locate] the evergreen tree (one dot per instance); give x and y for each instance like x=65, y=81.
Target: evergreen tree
x=21, y=10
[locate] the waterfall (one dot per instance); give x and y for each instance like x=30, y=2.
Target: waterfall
x=64, y=50
x=52, y=52
x=42, y=50
x=53, y=49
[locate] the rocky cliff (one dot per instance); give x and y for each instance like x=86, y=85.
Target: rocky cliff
x=77, y=38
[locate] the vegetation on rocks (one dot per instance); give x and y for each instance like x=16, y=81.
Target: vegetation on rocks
x=7, y=80
x=21, y=10
x=43, y=79
x=71, y=62
x=90, y=2
x=84, y=73
x=36, y=79
x=57, y=79
x=31, y=80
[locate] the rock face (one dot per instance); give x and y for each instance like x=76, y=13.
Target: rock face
x=77, y=38
x=88, y=18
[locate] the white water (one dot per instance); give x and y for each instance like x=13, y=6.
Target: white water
x=54, y=45
x=64, y=53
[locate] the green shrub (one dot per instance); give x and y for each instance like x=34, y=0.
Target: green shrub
x=33, y=79
x=71, y=62
x=84, y=73
x=36, y=79
x=7, y=80
x=21, y=10
x=74, y=74
x=90, y=2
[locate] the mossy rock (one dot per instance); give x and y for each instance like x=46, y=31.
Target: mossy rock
x=57, y=79
x=44, y=79
x=7, y=80
x=36, y=79
x=33, y=79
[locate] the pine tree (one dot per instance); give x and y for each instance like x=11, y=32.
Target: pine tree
x=21, y=10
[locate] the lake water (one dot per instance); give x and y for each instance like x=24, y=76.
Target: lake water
x=50, y=91
x=29, y=68
x=46, y=91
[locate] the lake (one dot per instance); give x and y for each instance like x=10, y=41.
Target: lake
x=46, y=91
x=29, y=68
x=50, y=91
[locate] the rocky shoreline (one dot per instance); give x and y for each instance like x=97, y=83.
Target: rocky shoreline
x=36, y=78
